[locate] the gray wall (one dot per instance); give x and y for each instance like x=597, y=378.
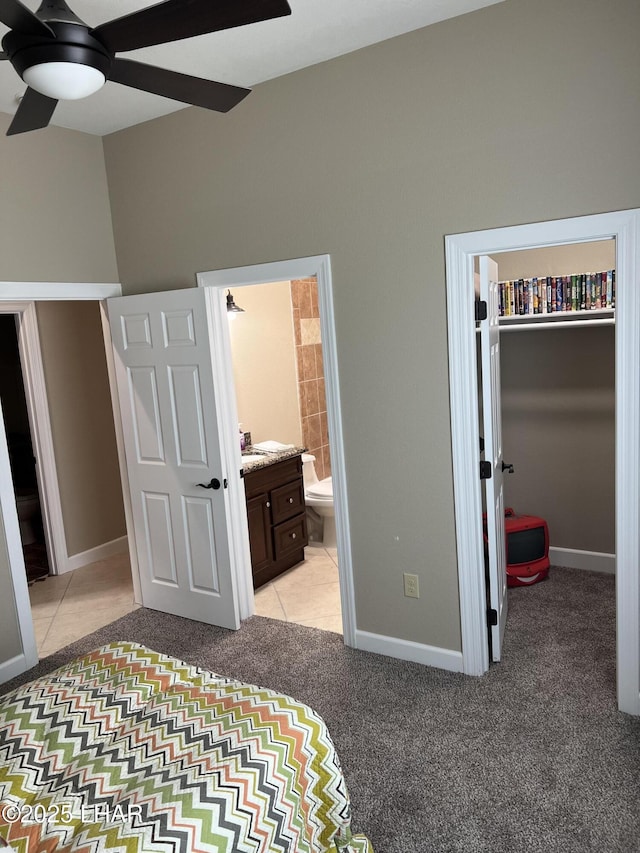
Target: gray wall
x=558, y=417
x=55, y=222
x=55, y=225
x=517, y=113
x=84, y=441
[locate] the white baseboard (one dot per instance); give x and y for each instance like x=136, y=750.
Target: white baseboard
x=408, y=650
x=100, y=552
x=591, y=561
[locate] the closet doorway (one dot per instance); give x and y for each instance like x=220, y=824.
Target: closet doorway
x=555, y=405
x=461, y=251
x=558, y=410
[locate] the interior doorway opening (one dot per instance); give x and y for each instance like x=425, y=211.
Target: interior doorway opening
x=556, y=411
x=60, y=449
x=289, y=270
x=18, y=650
x=461, y=250
x=278, y=375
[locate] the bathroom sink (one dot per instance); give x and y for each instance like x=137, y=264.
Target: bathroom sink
x=251, y=457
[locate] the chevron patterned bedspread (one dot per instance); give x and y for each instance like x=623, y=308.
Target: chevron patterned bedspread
x=132, y=751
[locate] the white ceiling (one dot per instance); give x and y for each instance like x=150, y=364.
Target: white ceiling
x=316, y=30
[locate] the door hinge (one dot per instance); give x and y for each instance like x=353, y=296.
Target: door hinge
x=485, y=470
x=481, y=310
x=492, y=617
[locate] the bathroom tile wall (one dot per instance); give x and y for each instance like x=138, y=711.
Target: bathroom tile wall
x=311, y=388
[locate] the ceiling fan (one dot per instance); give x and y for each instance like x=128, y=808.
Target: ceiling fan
x=60, y=57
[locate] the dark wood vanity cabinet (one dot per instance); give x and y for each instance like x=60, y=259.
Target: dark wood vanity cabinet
x=260, y=539
x=276, y=518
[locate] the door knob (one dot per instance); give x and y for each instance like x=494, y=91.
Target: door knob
x=214, y=484
x=507, y=466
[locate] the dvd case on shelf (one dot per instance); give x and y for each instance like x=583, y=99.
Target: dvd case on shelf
x=557, y=294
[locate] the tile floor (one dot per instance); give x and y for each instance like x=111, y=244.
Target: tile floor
x=70, y=606
x=308, y=594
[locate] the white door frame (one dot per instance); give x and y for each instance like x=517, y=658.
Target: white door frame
x=320, y=267
x=461, y=250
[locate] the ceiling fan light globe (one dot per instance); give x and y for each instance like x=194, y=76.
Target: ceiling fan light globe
x=64, y=81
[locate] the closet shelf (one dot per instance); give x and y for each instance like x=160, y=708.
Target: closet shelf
x=559, y=320
x=564, y=320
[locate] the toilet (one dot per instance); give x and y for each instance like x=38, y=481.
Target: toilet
x=318, y=496
x=28, y=506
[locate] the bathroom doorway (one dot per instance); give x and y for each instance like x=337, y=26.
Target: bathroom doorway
x=235, y=280
x=21, y=452
x=278, y=375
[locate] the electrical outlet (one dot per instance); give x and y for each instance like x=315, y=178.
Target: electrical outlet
x=411, y=586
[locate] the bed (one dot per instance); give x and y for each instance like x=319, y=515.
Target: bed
x=130, y=750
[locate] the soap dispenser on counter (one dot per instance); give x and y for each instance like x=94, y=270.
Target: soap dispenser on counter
x=242, y=439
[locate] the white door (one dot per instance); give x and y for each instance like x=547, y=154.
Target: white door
x=178, y=485
x=492, y=425
x=18, y=650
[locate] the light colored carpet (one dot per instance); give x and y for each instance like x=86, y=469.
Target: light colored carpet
x=531, y=758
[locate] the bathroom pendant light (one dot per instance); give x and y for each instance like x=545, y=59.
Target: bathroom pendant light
x=231, y=305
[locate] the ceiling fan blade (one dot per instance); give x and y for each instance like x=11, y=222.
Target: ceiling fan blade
x=181, y=19
x=34, y=111
x=17, y=17
x=180, y=87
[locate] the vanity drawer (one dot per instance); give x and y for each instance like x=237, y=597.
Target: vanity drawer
x=287, y=501
x=290, y=536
